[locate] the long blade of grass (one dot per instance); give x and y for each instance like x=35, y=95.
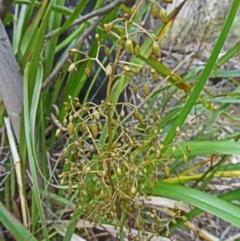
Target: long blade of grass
x=199, y=148
x=54, y=22
x=14, y=226
x=75, y=14
x=204, y=201
x=29, y=121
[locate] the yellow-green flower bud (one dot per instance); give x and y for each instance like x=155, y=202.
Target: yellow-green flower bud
x=145, y=90
x=108, y=27
x=155, y=76
x=114, y=145
x=73, y=51
x=126, y=68
x=185, y=158
x=83, y=127
x=129, y=46
x=163, y=15
x=134, y=89
x=58, y=133
x=137, y=50
x=108, y=70
x=107, y=52
x=87, y=72
x=155, y=11
x=114, y=122
x=119, y=171
x=156, y=49
x=97, y=36
x=131, y=143
x=188, y=149
x=134, y=71
x=72, y=68
x=94, y=130
x=76, y=114
x=70, y=128
x=65, y=122
x=96, y=115
x=174, y=221
x=86, y=170
x=140, y=119
x=152, y=70
x=133, y=190
x=136, y=114
x=166, y=170
x=70, y=118
x=125, y=16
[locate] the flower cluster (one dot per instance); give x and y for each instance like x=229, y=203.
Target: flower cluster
x=111, y=163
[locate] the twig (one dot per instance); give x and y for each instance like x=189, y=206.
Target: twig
x=86, y=17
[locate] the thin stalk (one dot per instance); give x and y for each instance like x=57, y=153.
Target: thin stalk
x=109, y=107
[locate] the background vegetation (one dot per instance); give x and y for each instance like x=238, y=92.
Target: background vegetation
x=136, y=171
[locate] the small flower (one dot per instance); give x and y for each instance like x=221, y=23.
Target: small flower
x=108, y=27
x=155, y=12
x=94, y=130
x=108, y=70
x=72, y=68
x=156, y=49
x=145, y=90
x=87, y=72
x=137, y=50
x=70, y=128
x=58, y=133
x=134, y=89
x=129, y=46
x=73, y=51
x=163, y=15
x=107, y=52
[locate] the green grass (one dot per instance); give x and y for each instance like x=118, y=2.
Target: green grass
x=96, y=176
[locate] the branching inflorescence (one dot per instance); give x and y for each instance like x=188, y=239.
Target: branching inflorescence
x=111, y=162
